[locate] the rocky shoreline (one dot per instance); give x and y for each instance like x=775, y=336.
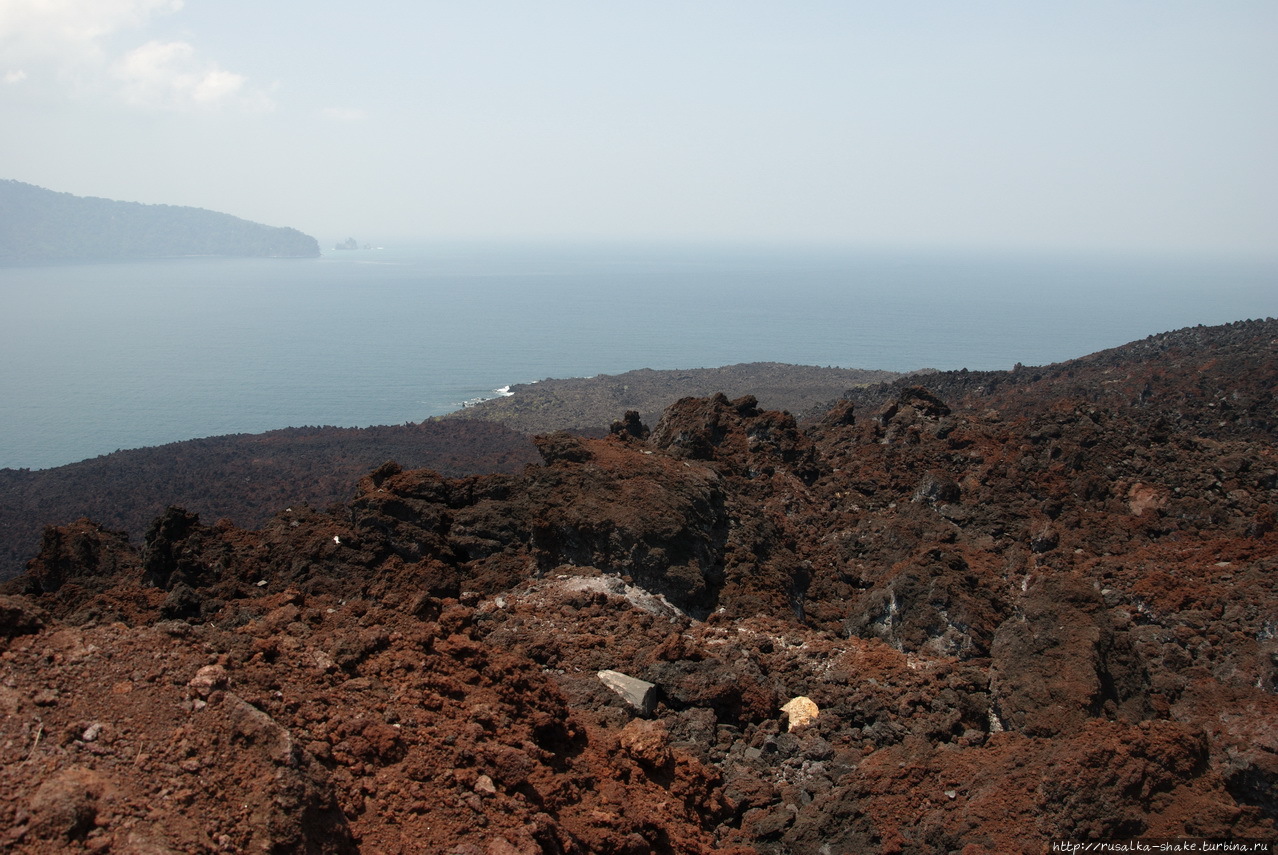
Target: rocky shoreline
x=588, y=405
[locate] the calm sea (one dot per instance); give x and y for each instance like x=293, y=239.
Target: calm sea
x=102, y=357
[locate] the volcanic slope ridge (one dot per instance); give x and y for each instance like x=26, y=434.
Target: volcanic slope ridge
x=1022, y=607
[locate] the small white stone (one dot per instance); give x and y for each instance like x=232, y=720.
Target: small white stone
x=802, y=711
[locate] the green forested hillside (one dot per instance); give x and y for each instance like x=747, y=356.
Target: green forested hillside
x=43, y=225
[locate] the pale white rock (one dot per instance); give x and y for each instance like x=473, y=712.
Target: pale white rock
x=801, y=711
x=640, y=694
x=613, y=586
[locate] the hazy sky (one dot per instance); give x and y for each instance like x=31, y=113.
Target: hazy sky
x=1108, y=125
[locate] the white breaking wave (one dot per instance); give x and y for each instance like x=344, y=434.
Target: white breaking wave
x=503, y=392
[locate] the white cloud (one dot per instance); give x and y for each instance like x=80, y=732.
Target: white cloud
x=341, y=114
x=70, y=30
x=78, y=41
x=14, y=77
x=170, y=75
x=217, y=85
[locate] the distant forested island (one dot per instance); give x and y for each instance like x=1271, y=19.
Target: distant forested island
x=43, y=225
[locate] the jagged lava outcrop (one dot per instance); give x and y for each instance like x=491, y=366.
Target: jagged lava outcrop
x=1028, y=606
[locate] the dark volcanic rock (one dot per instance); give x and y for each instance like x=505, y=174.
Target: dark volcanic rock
x=630, y=425
x=602, y=504
x=18, y=616
x=172, y=549
x=737, y=433
x=82, y=552
x=936, y=603
x=1060, y=661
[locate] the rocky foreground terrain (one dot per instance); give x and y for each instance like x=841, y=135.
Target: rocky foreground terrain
x=1000, y=611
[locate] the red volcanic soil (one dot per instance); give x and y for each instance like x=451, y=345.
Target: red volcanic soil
x=1028, y=606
